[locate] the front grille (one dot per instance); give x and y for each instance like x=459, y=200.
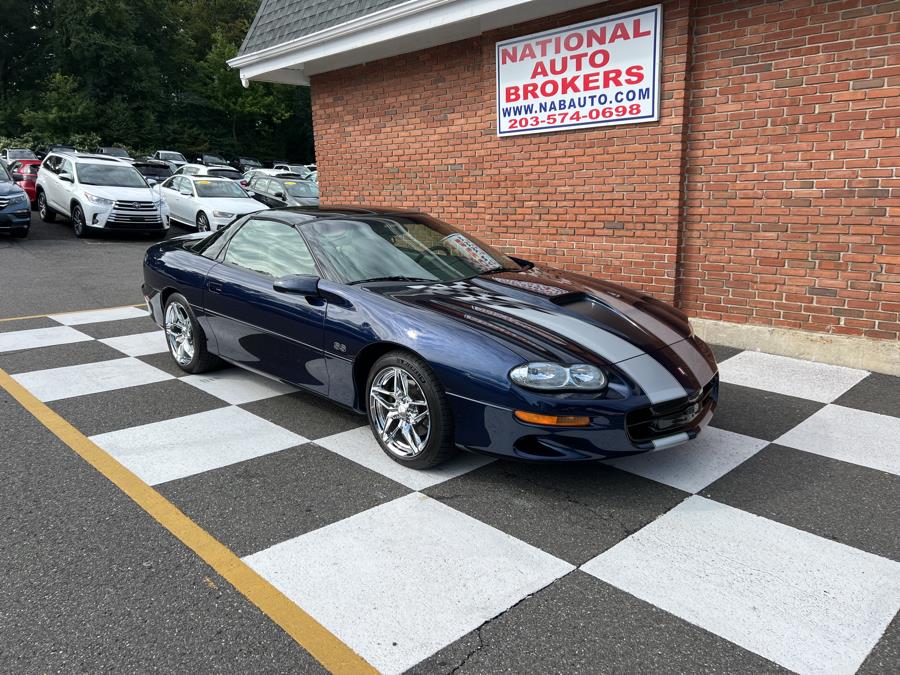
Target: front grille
x=134, y=215
x=671, y=417
x=4, y=202
x=134, y=206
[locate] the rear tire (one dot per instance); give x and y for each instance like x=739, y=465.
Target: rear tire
x=411, y=421
x=48, y=215
x=185, y=338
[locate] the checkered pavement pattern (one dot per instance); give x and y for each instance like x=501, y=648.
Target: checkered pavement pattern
x=770, y=543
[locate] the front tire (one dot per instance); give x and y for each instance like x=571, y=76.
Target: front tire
x=185, y=338
x=202, y=222
x=48, y=215
x=408, y=411
x=78, y=222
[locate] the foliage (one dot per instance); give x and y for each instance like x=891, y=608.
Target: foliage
x=144, y=74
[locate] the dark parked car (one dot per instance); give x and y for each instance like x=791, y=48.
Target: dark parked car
x=279, y=191
x=55, y=147
x=24, y=173
x=211, y=159
x=443, y=341
x=154, y=170
x=120, y=153
x=15, y=209
x=245, y=164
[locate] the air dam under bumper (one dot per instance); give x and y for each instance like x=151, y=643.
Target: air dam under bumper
x=612, y=433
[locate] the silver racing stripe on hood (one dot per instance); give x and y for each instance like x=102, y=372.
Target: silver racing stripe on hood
x=657, y=382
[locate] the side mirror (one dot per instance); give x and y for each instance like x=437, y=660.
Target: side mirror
x=17, y=177
x=298, y=284
x=186, y=192
x=151, y=182
x=251, y=193
x=66, y=177
x=279, y=195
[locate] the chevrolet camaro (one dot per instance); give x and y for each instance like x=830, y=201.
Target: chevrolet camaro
x=444, y=342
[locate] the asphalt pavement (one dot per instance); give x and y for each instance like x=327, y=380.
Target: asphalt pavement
x=768, y=545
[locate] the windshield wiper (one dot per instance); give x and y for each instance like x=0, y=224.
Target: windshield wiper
x=394, y=278
x=498, y=270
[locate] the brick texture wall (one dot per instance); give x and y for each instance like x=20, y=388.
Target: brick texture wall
x=766, y=193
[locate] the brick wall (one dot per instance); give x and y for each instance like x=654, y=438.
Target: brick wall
x=761, y=195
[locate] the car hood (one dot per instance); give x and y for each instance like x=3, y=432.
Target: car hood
x=8, y=189
x=551, y=315
x=238, y=205
x=122, y=194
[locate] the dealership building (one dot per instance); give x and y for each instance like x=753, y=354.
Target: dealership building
x=738, y=159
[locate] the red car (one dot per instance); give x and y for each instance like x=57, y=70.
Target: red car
x=24, y=173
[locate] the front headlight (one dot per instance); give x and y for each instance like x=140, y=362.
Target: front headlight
x=102, y=202
x=18, y=199
x=549, y=376
x=222, y=214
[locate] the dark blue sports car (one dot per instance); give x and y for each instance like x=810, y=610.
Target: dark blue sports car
x=443, y=341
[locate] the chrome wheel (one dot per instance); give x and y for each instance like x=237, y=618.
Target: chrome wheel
x=42, y=206
x=202, y=222
x=78, y=221
x=179, y=333
x=399, y=412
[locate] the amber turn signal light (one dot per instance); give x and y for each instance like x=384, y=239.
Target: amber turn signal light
x=552, y=420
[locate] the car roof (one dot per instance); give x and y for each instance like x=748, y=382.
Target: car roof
x=208, y=178
x=298, y=215
x=88, y=158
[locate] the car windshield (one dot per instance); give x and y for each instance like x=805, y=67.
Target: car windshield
x=21, y=154
x=174, y=156
x=115, y=152
x=4, y=175
x=213, y=159
x=153, y=171
x=298, y=169
x=414, y=248
x=109, y=174
x=233, y=174
x=219, y=188
x=301, y=189
x=250, y=162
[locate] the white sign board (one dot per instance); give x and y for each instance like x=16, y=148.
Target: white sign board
x=591, y=74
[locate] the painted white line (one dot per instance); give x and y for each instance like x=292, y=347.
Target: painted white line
x=237, y=386
x=40, y=337
x=89, y=378
x=821, y=382
x=360, y=446
x=697, y=463
x=184, y=446
x=851, y=435
x=141, y=344
x=402, y=580
x=98, y=315
x=807, y=603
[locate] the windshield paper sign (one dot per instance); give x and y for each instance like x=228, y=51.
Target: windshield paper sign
x=591, y=74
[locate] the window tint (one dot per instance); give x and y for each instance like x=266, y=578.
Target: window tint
x=270, y=248
x=65, y=167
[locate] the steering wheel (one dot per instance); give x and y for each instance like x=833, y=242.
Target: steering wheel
x=432, y=249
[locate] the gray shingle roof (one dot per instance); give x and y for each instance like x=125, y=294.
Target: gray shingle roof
x=279, y=21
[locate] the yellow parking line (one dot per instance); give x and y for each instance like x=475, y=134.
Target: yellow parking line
x=77, y=311
x=309, y=634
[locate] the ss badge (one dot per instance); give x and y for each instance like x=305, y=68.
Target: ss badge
x=339, y=347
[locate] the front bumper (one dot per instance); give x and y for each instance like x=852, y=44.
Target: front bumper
x=616, y=432
x=123, y=217
x=15, y=218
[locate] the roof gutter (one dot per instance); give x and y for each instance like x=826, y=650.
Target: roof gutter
x=386, y=33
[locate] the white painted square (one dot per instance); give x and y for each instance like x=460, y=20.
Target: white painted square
x=40, y=337
x=695, y=464
x=402, y=580
x=821, y=382
x=89, y=378
x=184, y=446
x=237, y=386
x=360, y=446
x=141, y=344
x=99, y=315
x=807, y=603
x=851, y=435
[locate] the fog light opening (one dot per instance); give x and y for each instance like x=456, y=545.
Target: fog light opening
x=552, y=420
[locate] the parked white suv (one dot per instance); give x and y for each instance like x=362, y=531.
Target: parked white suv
x=98, y=193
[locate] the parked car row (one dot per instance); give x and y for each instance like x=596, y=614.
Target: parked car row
x=110, y=190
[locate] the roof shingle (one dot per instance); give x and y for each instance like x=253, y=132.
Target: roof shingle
x=279, y=21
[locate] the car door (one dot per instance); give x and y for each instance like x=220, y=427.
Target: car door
x=168, y=190
x=64, y=189
x=255, y=326
x=50, y=179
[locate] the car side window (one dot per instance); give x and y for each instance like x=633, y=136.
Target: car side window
x=271, y=248
x=66, y=167
x=256, y=184
x=52, y=164
x=169, y=183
